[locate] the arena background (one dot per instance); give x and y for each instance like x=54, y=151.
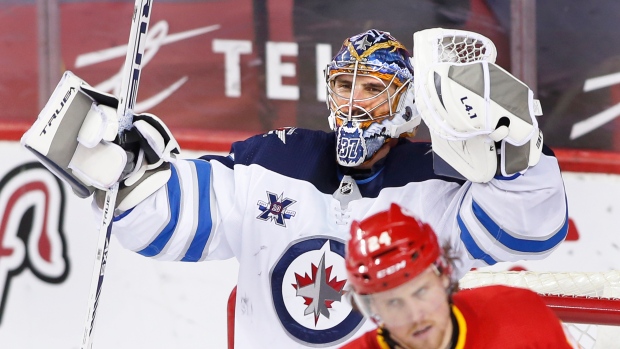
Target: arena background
x=219, y=71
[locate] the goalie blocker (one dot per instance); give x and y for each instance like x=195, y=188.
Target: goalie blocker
x=482, y=119
x=76, y=137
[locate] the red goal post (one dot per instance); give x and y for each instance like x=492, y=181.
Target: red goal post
x=585, y=310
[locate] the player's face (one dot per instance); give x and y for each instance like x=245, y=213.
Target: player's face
x=370, y=96
x=417, y=314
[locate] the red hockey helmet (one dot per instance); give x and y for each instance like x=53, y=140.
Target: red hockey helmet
x=388, y=249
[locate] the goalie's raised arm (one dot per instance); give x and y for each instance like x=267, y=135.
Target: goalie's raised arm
x=483, y=127
x=482, y=120
x=76, y=137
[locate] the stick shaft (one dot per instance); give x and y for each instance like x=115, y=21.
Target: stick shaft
x=99, y=266
x=130, y=79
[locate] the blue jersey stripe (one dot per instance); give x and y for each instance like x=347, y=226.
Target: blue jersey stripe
x=509, y=178
x=174, y=200
x=471, y=245
x=516, y=244
x=203, y=230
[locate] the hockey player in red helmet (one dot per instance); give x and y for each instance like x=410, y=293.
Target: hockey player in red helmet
x=401, y=280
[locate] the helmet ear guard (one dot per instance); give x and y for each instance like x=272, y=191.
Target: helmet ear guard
x=407, y=111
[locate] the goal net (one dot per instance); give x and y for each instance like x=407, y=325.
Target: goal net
x=587, y=302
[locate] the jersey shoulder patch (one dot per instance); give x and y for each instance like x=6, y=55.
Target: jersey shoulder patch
x=281, y=133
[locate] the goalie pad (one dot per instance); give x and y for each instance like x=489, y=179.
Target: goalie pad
x=482, y=119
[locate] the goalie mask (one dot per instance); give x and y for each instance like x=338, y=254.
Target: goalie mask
x=370, y=95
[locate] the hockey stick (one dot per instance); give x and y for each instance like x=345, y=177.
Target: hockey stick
x=130, y=79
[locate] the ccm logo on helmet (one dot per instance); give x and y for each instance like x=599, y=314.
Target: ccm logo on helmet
x=391, y=269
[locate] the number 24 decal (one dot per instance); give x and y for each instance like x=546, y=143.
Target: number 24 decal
x=374, y=242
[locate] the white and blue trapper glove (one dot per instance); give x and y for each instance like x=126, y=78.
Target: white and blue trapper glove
x=76, y=137
x=482, y=120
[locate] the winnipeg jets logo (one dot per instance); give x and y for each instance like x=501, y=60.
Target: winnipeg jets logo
x=276, y=209
x=308, y=283
x=319, y=290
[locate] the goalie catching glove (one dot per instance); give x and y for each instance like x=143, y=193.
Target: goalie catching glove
x=76, y=137
x=482, y=120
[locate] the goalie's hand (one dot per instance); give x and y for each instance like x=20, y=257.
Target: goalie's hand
x=482, y=119
x=76, y=137
x=150, y=147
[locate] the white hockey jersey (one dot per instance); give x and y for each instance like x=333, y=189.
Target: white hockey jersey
x=280, y=204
